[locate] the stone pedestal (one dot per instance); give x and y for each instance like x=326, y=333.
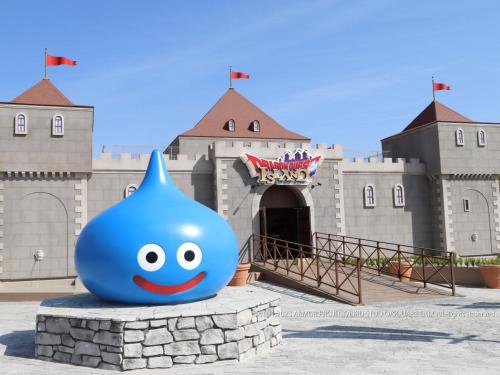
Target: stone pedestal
x=239, y=322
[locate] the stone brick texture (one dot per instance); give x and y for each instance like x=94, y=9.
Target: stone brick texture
x=159, y=343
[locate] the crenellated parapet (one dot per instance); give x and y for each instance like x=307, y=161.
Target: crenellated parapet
x=271, y=149
x=138, y=163
x=374, y=164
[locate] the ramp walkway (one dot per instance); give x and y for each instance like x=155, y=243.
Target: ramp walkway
x=354, y=270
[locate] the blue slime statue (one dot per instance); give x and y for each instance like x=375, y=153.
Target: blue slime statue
x=157, y=246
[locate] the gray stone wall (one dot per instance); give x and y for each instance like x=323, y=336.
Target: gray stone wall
x=481, y=219
x=159, y=343
x=38, y=213
x=238, y=198
x=436, y=211
x=108, y=188
x=421, y=143
x=325, y=191
x=39, y=150
x=410, y=224
x=192, y=146
x=469, y=158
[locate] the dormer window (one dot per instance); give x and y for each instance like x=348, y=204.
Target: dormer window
x=459, y=137
x=256, y=126
x=58, y=125
x=21, y=124
x=231, y=125
x=481, y=138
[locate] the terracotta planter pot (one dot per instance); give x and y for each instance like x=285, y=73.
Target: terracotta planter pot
x=491, y=275
x=241, y=275
x=406, y=269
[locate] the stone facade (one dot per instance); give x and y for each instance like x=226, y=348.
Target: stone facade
x=50, y=187
x=456, y=174
x=159, y=337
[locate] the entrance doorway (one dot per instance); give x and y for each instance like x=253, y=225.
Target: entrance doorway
x=284, y=215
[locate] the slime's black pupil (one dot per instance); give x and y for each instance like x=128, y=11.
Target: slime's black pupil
x=151, y=257
x=189, y=255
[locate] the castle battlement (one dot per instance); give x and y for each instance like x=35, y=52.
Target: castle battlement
x=374, y=164
x=271, y=149
x=138, y=163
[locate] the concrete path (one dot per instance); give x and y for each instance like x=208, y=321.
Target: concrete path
x=458, y=335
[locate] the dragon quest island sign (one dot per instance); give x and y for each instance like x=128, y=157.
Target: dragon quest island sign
x=291, y=168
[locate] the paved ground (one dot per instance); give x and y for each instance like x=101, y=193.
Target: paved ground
x=445, y=336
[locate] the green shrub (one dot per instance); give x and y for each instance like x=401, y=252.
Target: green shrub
x=494, y=261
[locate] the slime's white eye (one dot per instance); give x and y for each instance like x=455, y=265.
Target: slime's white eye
x=151, y=257
x=189, y=255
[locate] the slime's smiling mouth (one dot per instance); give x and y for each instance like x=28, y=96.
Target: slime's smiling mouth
x=168, y=289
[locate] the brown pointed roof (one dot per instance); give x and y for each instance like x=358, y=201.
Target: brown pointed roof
x=233, y=105
x=436, y=112
x=43, y=93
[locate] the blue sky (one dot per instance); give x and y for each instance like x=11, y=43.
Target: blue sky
x=348, y=72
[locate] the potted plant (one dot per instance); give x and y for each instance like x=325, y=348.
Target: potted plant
x=490, y=270
x=405, y=270
x=241, y=275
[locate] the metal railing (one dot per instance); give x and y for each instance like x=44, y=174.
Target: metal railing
x=331, y=272
x=429, y=266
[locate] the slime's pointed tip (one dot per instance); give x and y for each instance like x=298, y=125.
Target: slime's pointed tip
x=157, y=173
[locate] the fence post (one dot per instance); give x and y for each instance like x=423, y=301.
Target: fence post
x=286, y=254
x=452, y=272
x=252, y=249
x=360, y=253
x=360, y=295
x=423, y=257
x=275, y=256
x=301, y=254
x=336, y=273
x=399, y=262
x=265, y=241
x=378, y=257
x=343, y=250
x=329, y=247
x=317, y=269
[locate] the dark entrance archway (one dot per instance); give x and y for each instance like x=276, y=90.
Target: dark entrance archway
x=285, y=215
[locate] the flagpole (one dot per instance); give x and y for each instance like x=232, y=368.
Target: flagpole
x=433, y=91
x=45, y=61
x=230, y=77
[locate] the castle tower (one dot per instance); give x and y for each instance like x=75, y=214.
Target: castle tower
x=463, y=168
x=45, y=162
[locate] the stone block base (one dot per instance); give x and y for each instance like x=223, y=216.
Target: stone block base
x=82, y=330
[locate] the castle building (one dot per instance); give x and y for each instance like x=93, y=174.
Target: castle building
x=436, y=187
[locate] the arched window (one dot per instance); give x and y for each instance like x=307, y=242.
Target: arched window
x=369, y=194
x=21, y=124
x=481, y=138
x=231, y=125
x=256, y=126
x=130, y=189
x=459, y=137
x=58, y=125
x=399, y=195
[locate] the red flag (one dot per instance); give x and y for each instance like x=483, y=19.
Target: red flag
x=58, y=60
x=441, y=86
x=238, y=75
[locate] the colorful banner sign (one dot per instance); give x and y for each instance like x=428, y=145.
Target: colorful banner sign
x=292, y=168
